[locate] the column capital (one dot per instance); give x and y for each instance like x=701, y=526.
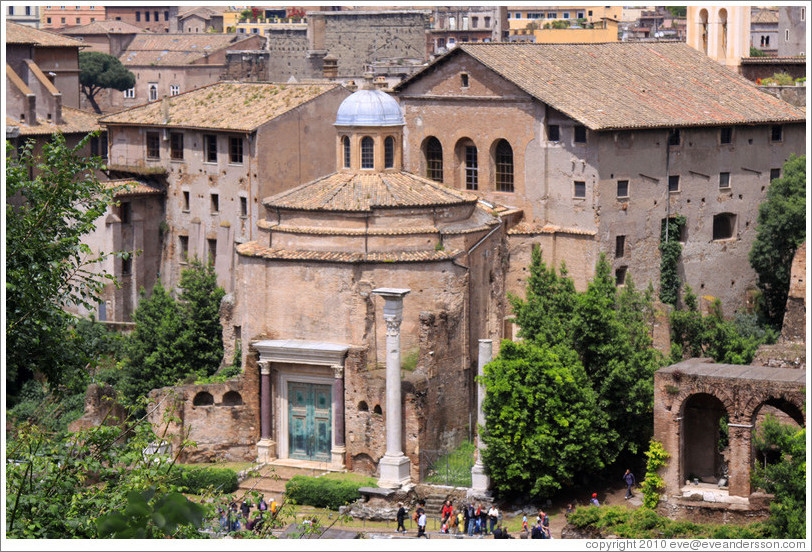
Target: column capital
x=338, y=371
x=265, y=367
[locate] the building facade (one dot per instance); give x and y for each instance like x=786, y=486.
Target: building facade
x=792, y=31
x=156, y=19
x=58, y=17
x=720, y=32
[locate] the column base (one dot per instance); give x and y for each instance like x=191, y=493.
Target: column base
x=266, y=450
x=338, y=455
x=480, y=482
x=394, y=472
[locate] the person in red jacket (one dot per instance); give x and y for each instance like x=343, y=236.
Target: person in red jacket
x=445, y=514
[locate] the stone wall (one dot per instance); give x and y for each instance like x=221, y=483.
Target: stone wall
x=794, y=329
x=796, y=95
x=101, y=408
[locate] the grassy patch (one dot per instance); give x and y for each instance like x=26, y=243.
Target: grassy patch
x=360, y=480
x=453, y=468
x=409, y=361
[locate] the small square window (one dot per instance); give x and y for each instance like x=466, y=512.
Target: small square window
x=674, y=137
x=212, y=244
x=726, y=135
x=126, y=266
x=129, y=93
x=215, y=203
x=124, y=211
x=620, y=246
x=673, y=183
x=553, y=133
x=243, y=206
x=776, y=133
x=622, y=188
x=724, y=180
x=186, y=201
x=174, y=89
x=579, y=189
x=580, y=134
x=775, y=173
x=464, y=80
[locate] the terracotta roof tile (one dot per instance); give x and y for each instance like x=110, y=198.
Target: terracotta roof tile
x=106, y=26
x=177, y=49
x=525, y=228
x=363, y=192
x=75, y=121
x=628, y=85
x=130, y=188
x=255, y=249
x=23, y=34
x=238, y=106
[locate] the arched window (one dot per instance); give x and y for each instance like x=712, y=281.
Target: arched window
x=345, y=142
x=203, y=398
x=504, y=167
x=363, y=406
x=434, y=159
x=703, y=21
x=232, y=398
x=389, y=152
x=367, y=153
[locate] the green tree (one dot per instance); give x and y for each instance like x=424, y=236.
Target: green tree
x=670, y=251
x=780, y=230
x=48, y=266
x=755, y=52
x=98, y=71
x=544, y=427
x=678, y=11
x=786, y=479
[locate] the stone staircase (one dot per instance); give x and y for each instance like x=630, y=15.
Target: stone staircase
x=434, y=504
x=271, y=479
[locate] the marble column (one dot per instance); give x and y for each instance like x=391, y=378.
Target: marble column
x=266, y=447
x=479, y=479
x=394, y=466
x=339, y=448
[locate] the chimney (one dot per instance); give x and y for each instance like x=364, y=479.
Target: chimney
x=330, y=67
x=165, y=109
x=380, y=82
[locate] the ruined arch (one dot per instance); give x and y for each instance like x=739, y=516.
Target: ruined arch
x=232, y=398
x=204, y=398
x=700, y=457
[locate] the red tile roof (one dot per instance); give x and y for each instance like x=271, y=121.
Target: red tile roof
x=130, y=188
x=255, y=249
x=627, y=85
x=178, y=49
x=363, y=192
x=106, y=26
x=23, y=34
x=74, y=121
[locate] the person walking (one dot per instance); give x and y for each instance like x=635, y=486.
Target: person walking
x=628, y=477
x=594, y=500
x=401, y=515
x=421, y=525
x=493, y=516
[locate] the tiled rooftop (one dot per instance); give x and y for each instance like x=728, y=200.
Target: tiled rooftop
x=177, y=49
x=23, y=34
x=526, y=228
x=363, y=192
x=130, y=188
x=237, y=106
x=106, y=26
x=628, y=85
x=75, y=121
x=255, y=249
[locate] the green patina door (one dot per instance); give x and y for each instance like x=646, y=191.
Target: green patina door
x=309, y=421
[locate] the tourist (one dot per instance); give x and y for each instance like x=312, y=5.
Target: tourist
x=461, y=520
x=445, y=514
x=594, y=500
x=245, y=508
x=524, y=523
x=628, y=477
x=537, y=532
x=570, y=509
x=497, y=533
x=401, y=515
x=466, y=515
x=472, y=519
x=493, y=516
x=421, y=524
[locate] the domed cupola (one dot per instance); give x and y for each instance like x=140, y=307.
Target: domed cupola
x=370, y=133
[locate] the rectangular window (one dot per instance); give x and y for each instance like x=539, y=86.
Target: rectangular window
x=551, y=15
x=130, y=92
x=215, y=203
x=235, y=150
x=565, y=15
x=78, y=20
x=620, y=246
x=471, y=168
x=673, y=183
x=464, y=80
x=156, y=16
x=48, y=20
x=174, y=89
x=210, y=148
x=146, y=15
x=622, y=189
x=775, y=173
x=474, y=22
x=62, y=20
x=212, y=243
x=124, y=211
x=580, y=134
x=724, y=180
x=138, y=16
x=726, y=135
x=176, y=145
x=674, y=137
x=186, y=201
x=487, y=22
x=776, y=133
x=579, y=189
x=153, y=145
x=620, y=275
x=553, y=133
x=126, y=266
x=243, y=206
x=183, y=244
x=579, y=15
x=153, y=91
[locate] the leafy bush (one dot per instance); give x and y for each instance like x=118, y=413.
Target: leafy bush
x=644, y=523
x=653, y=484
x=781, y=79
x=324, y=493
x=198, y=480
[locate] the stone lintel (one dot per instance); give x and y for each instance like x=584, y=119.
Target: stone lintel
x=295, y=351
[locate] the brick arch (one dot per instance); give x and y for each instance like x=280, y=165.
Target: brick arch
x=790, y=403
x=702, y=388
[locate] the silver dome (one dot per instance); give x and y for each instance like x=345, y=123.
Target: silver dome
x=369, y=108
